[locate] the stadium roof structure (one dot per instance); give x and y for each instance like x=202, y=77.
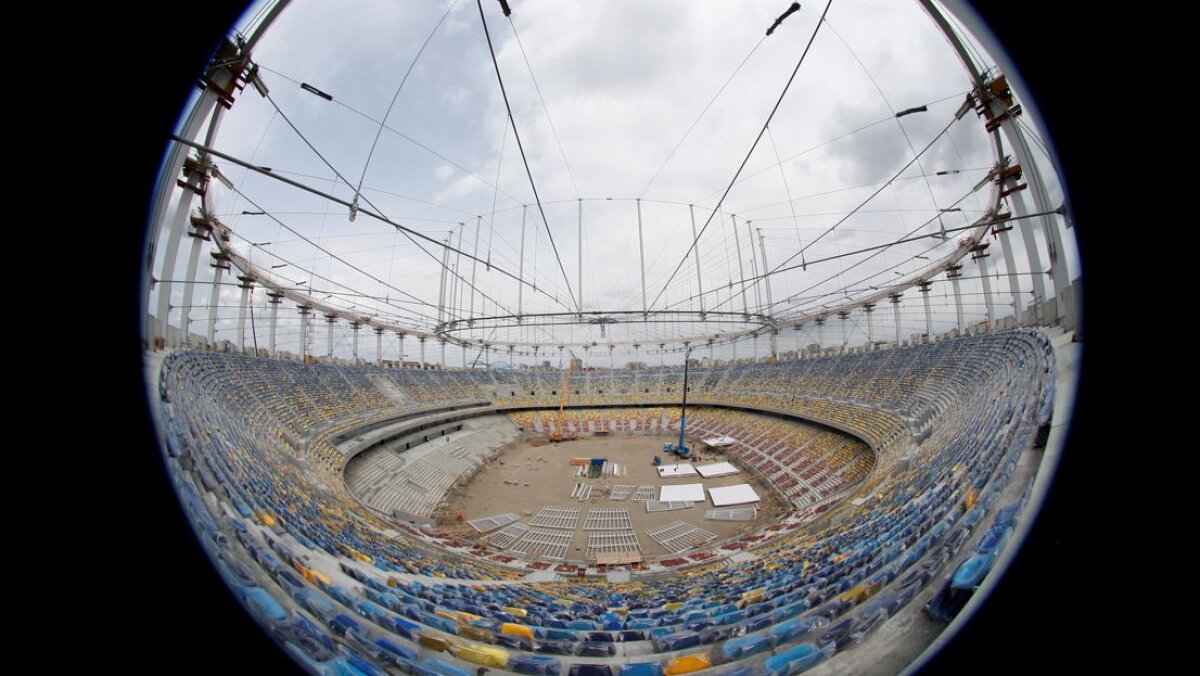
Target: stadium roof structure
x=620, y=179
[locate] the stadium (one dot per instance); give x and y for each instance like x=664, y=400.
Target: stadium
x=477, y=341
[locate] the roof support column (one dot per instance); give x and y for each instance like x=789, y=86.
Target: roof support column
x=845, y=317
x=304, y=312
x=869, y=309
x=474, y=264
x=330, y=320
x=642, y=258
x=924, y=288
x=1035, y=260
x=741, y=266
x=220, y=264
x=958, y=308
x=275, y=298
x=696, y=255
x=987, y=290
x=580, y=218
x=245, y=284
x=201, y=230
x=895, y=298
x=521, y=266
x=196, y=184
x=754, y=268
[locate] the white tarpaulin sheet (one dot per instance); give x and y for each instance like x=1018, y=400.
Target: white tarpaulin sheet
x=716, y=469
x=732, y=495
x=671, y=471
x=693, y=492
x=717, y=442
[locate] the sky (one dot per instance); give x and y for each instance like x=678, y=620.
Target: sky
x=621, y=108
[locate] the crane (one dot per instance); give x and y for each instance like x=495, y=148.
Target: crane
x=562, y=402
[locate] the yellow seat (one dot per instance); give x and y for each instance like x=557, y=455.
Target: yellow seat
x=516, y=630
x=753, y=596
x=489, y=656
x=687, y=664
x=856, y=594
x=475, y=633
x=312, y=575
x=438, y=643
x=519, y=612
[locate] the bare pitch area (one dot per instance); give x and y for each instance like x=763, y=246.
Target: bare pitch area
x=539, y=475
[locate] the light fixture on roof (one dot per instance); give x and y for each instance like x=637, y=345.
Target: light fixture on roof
x=220, y=177
x=965, y=108
x=795, y=7
x=311, y=89
x=910, y=111
x=255, y=78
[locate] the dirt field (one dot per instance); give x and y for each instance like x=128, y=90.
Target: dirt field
x=545, y=479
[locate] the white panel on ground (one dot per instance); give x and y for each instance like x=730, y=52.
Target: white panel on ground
x=608, y=519
x=716, y=469
x=736, y=514
x=548, y=542
x=643, y=493
x=655, y=506
x=604, y=542
x=621, y=492
x=740, y=494
x=505, y=538
x=556, y=517
x=672, y=471
x=493, y=522
x=682, y=492
x=679, y=536
x=717, y=442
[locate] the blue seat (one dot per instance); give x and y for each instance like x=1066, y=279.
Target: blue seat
x=680, y=641
x=263, y=605
x=534, y=664
x=736, y=649
x=597, y=649
x=971, y=572
x=641, y=669
x=392, y=653
x=796, y=660
x=352, y=664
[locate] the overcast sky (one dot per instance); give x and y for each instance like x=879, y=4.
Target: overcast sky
x=621, y=82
